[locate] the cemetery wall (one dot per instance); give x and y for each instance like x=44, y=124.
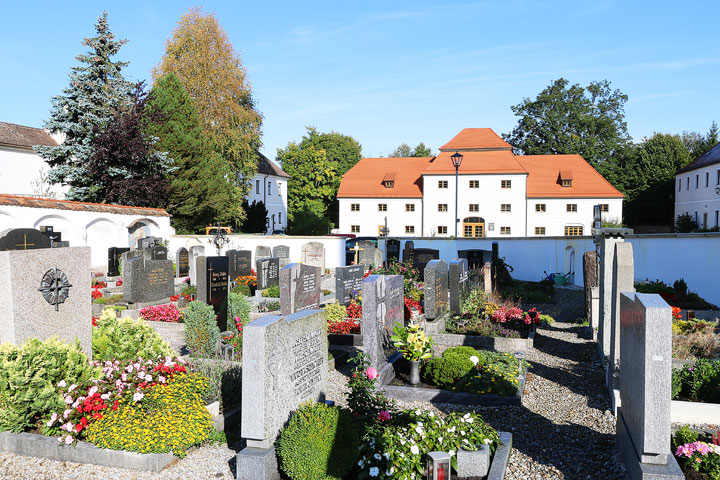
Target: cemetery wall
x=668, y=257
x=334, y=246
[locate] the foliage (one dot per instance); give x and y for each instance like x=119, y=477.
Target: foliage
x=411, y=341
x=364, y=401
x=685, y=223
x=188, y=289
x=397, y=448
x=201, y=329
x=502, y=273
x=474, y=304
x=498, y=375
x=344, y=326
x=697, y=452
x=469, y=325
x=273, y=291
x=700, y=382
x=249, y=280
x=702, y=343
x=224, y=381
x=454, y=364
x=169, y=417
x=404, y=150
x=241, y=289
x=238, y=306
x=334, y=313
x=257, y=216
x=201, y=55
x=83, y=111
x=354, y=309
x=202, y=189
x=318, y=443
x=161, y=313
x=28, y=375
x=124, y=339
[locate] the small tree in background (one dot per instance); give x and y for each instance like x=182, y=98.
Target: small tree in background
x=256, y=219
x=404, y=150
x=685, y=223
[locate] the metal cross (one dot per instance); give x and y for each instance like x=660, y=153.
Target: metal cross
x=55, y=287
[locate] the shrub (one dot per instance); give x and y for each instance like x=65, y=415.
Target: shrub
x=272, y=291
x=201, y=330
x=28, y=375
x=188, y=289
x=685, y=223
x=676, y=385
x=161, y=313
x=224, y=381
x=498, y=375
x=479, y=326
x=335, y=312
x=364, y=400
x=241, y=289
x=454, y=364
x=168, y=418
x=126, y=339
x=473, y=304
x=238, y=306
x=701, y=381
x=319, y=442
x=272, y=306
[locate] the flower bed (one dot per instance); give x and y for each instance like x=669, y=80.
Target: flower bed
x=698, y=454
x=162, y=313
x=696, y=393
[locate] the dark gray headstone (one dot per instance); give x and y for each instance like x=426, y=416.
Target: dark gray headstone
x=262, y=251
x=268, y=272
x=436, y=289
x=23, y=239
x=475, y=258
x=213, y=286
x=240, y=262
x=129, y=255
x=148, y=242
x=421, y=258
x=458, y=280
x=182, y=262
x=299, y=288
x=348, y=280
x=382, y=297
x=147, y=280
x=283, y=253
x=54, y=236
x=597, y=216
x=114, y=258
x=158, y=252
x=408, y=252
x=392, y=250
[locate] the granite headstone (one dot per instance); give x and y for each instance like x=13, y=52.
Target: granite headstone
x=50, y=232
x=348, y=280
x=195, y=252
x=261, y=251
x=383, y=307
x=299, y=288
x=182, y=262
x=268, y=271
x=239, y=262
x=436, y=289
x=458, y=280
x=23, y=239
x=422, y=256
x=313, y=254
x=408, y=252
x=147, y=280
x=213, y=286
x=392, y=250
x=623, y=282
x=114, y=259
x=366, y=254
x=283, y=253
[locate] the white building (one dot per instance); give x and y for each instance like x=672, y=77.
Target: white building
x=498, y=193
x=269, y=186
x=697, y=189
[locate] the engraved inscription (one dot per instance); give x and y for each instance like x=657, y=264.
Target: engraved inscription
x=307, y=361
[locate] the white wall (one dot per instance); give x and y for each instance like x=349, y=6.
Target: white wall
x=369, y=218
x=556, y=217
x=272, y=191
x=701, y=199
x=334, y=246
x=20, y=168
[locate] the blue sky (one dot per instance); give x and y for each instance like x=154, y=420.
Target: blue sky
x=392, y=72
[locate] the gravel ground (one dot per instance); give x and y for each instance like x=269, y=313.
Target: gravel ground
x=563, y=430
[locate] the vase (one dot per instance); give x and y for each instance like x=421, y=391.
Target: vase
x=414, y=372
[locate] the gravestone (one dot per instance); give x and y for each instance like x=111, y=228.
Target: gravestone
x=157, y=252
x=148, y=242
x=262, y=251
x=597, y=217
x=45, y=293
x=313, y=254
x=283, y=253
x=50, y=232
x=458, y=279
x=436, y=289
x=595, y=310
x=378, y=258
x=239, y=262
x=590, y=279
x=366, y=256
x=195, y=252
x=382, y=298
x=348, y=280
x=182, y=262
x=643, y=418
x=487, y=277
x=285, y=364
x=422, y=256
x=408, y=253
x=299, y=288
x=114, y=259
x=392, y=250
x=623, y=282
x=129, y=255
x=61, y=244
x=475, y=258
x=147, y=280
x=213, y=286
x=23, y=239
x=268, y=270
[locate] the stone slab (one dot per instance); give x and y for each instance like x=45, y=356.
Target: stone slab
x=623, y=279
x=268, y=272
x=383, y=306
x=458, y=280
x=348, y=280
x=473, y=463
x=147, y=280
x=261, y=251
x=313, y=253
x=283, y=253
x=436, y=288
x=23, y=239
x=114, y=260
x=213, y=286
x=239, y=263
x=257, y=464
x=501, y=457
x=694, y=413
x=182, y=263
x=392, y=250
x=195, y=252
x=497, y=344
x=299, y=288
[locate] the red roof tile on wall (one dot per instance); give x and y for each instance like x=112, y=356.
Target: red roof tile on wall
x=18, y=201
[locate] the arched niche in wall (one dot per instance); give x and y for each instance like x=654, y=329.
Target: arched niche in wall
x=141, y=228
x=102, y=233
x=60, y=223
x=570, y=264
x=8, y=221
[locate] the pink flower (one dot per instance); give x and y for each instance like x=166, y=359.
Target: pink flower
x=68, y=440
x=68, y=399
x=67, y=413
x=137, y=396
x=92, y=390
x=72, y=387
x=62, y=384
x=371, y=373
x=384, y=416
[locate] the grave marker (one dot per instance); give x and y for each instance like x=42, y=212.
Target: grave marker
x=299, y=288
x=262, y=251
x=392, y=250
x=422, y=256
x=195, y=252
x=127, y=256
x=458, y=279
x=23, y=239
x=382, y=307
x=50, y=232
x=367, y=253
x=283, y=253
x=148, y=242
x=114, y=259
x=408, y=253
x=436, y=289
x=623, y=282
x=182, y=262
x=313, y=254
x=239, y=262
x=157, y=252
x=487, y=277
x=213, y=286
x=348, y=280
x=590, y=279
x=268, y=270
x=147, y=280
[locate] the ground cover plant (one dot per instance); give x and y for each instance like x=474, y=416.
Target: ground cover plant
x=162, y=313
x=697, y=454
x=697, y=382
x=676, y=295
x=125, y=338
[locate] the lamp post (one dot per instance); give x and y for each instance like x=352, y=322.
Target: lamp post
x=457, y=159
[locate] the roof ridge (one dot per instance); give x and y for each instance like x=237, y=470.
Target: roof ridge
x=75, y=202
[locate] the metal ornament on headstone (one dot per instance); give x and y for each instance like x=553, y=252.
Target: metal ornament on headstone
x=436, y=289
x=458, y=279
x=55, y=287
x=23, y=239
x=220, y=239
x=213, y=286
x=348, y=280
x=299, y=288
x=382, y=307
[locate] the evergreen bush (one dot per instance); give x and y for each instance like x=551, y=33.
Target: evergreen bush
x=201, y=330
x=319, y=442
x=335, y=312
x=241, y=289
x=454, y=364
x=125, y=339
x=238, y=306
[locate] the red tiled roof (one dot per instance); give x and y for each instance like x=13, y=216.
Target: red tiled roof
x=19, y=201
x=19, y=136
x=365, y=179
x=544, y=171
x=476, y=138
x=494, y=161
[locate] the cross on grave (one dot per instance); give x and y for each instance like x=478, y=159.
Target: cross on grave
x=381, y=307
x=210, y=269
x=25, y=244
x=54, y=282
x=357, y=251
x=275, y=363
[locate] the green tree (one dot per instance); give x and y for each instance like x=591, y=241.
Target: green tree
x=404, y=150
x=311, y=186
x=570, y=119
x=201, y=190
x=257, y=215
x=86, y=106
x=697, y=143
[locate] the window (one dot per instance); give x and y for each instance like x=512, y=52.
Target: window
x=697, y=180
x=442, y=207
x=280, y=218
x=257, y=187
x=409, y=207
x=442, y=229
x=604, y=207
x=707, y=179
x=409, y=228
x=279, y=185
x=506, y=184
x=539, y=230
x=381, y=230
x=354, y=207
x=382, y=207
x=269, y=192
x=717, y=179
x=354, y=228
x=474, y=207
x=388, y=183
x=573, y=231
x=679, y=184
x=474, y=183
x=505, y=207
x=540, y=207
x=442, y=183
x=504, y=230
x=566, y=183
x=687, y=183
x=572, y=207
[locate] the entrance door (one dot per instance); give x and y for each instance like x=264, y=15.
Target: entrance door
x=473, y=227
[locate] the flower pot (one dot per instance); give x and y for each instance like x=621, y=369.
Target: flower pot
x=414, y=372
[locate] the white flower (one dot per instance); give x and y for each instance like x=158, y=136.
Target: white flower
x=474, y=359
x=390, y=472
x=470, y=420
x=487, y=441
x=418, y=411
x=451, y=453
x=419, y=429
x=431, y=414
x=105, y=396
x=462, y=432
x=402, y=442
x=386, y=455
x=414, y=450
x=137, y=396
x=68, y=440
x=439, y=439
x=62, y=384
x=452, y=429
x=374, y=471
x=377, y=456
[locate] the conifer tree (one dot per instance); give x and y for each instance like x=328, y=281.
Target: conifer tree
x=83, y=111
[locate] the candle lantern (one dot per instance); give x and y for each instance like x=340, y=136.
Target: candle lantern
x=438, y=466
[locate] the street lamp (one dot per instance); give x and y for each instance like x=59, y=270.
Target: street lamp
x=457, y=159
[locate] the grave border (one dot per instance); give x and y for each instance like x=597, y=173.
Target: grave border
x=694, y=413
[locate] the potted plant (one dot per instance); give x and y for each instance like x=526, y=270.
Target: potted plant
x=414, y=346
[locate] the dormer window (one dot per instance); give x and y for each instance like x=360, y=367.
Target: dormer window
x=389, y=180
x=566, y=178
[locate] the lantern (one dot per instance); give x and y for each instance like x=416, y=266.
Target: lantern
x=438, y=466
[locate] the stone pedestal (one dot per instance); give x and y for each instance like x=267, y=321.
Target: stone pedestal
x=257, y=464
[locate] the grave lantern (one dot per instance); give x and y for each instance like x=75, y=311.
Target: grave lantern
x=438, y=466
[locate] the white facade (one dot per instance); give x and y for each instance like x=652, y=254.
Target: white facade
x=697, y=193
x=22, y=172
x=363, y=217
x=556, y=215
x=272, y=191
